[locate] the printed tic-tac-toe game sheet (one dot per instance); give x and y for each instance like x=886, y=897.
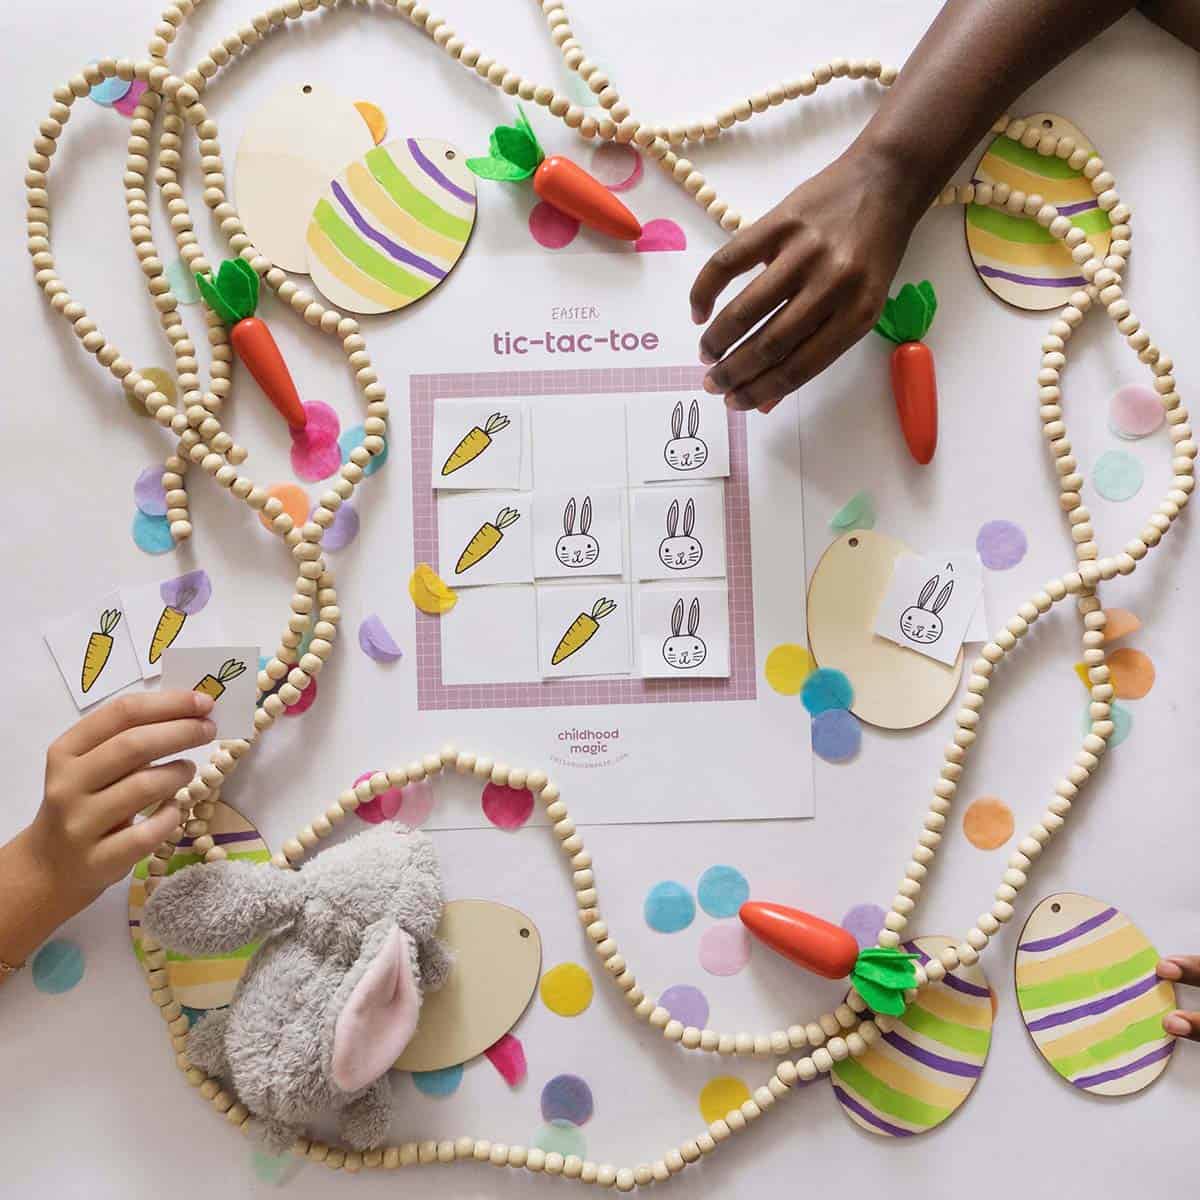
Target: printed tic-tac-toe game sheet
x=625, y=551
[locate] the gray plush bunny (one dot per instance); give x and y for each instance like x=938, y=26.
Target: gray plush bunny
x=332, y=995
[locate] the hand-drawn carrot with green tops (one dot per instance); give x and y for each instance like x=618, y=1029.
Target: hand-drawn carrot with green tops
x=99, y=647
x=485, y=539
x=214, y=685
x=181, y=597
x=582, y=630
x=475, y=443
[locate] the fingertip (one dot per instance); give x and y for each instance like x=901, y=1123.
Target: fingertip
x=1167, y=969
x=699, y=316
x=1177, y=1025
x=209, y=731
x=711, y=386
x=706, y=358
x=203, y=703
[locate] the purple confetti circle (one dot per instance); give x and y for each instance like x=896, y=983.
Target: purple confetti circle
x=148, y=493
x=567, y=1098
x=1001, y=545
x=864, y=921
x=836, y=735
x=687, y=1004
x=343, y=530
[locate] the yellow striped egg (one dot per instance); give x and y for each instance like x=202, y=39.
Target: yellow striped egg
x=390, y=227
x=1089, y=997
x=205, y=982
x=1014, y=256
x=921, y=1071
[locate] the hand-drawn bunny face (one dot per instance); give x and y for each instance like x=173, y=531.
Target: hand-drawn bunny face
x=684, y=651
x=679, y=552
x=923, y=625
x=686, y=453
x=577, y=549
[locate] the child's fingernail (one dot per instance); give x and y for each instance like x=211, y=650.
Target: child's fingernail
x=697, y=317
x=203, y=702
x=710, y=386
x=1176, y=1025
x=209, y=729
x=706, y=358
x=1169, y=970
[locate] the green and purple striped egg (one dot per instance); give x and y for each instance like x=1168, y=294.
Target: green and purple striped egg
x=922, y=1070
x=1089, y=997
x=391, y=225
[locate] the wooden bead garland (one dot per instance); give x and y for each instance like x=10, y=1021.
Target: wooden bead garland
x=173, y=102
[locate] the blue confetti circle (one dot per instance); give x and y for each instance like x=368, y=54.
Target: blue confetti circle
x=351, y=439
x=561, y=1137
x=57, y=967
x=722, y=891
x=152, y=534
x=443, y=1082
x=826, y=689
x=1121, y=718
x=109, y=91
x=1117, y=475
x=836, y=735
x=669, y=907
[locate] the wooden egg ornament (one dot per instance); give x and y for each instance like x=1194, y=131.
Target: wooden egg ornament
x=894, y=687
x=1016, y=257
x=1089, y=996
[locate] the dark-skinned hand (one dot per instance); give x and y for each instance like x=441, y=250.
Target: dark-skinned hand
x=1185, y=969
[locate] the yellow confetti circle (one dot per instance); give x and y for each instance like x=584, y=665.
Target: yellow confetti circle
x=787, y=667
x=429, y=593
x=718, y=1096
x=567, y=989
x=163, y=381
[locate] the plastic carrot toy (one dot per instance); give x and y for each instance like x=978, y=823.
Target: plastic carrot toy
x=516, y=154
x=474, y=443
x=906, y=319
x=582, y=630
x=485, y=539
x=880, y=975
x=99, y=647
x=233, y=296
x=181, y=597
x=214, y=685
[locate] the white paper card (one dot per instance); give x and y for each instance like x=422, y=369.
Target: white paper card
x=485, y=537
x=584, y=629
x=678, y=532
x=578, y=533
x=228, y=674
x=578, y=437
x=930, y=602
x=978, y=627
x=176, y=612
x=683, y=632
x=491, y=637
x=677, y=435
x=478, y=443
x=93, y=650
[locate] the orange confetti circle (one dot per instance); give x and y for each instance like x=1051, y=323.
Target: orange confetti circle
x=294, y=500
x=1132, y=673
x=1120, y=621
x=988, y=823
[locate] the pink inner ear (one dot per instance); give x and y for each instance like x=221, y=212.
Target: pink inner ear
x=380, y=1016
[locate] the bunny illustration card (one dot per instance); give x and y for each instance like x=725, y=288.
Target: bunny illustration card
x=930, y=602
x=578, y=533
x=480, y=444
x=485, y=537
x=584, y=629
x=683, y=632
x=229, y=674
x=678, y=532
x=677, y=436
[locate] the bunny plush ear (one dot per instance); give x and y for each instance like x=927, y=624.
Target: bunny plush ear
x=569, y=517
x=677, y=419
x=374, y=1012
x=943, y=597
x=927, y=591
x=677, y=617
x=694, y=418
x=585, y=515
x=672, y=518
x=689, y=518
x=694, y=616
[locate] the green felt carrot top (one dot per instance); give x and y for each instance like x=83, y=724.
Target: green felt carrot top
x=882, y=976
x=233, y=293
x=908, y=315
x=515, y=152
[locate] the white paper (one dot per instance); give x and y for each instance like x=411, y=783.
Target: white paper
x=683, y=632
x=578, y=533
x=494, y=430
x=145, y=605
x=95, y=635
x=497, y=525
x=979, y=626
x=677, y=436
x=490, y=636
x=929, y=603
x=578, y=437
x=214, y=670
x=678, y=532
x=578, y=625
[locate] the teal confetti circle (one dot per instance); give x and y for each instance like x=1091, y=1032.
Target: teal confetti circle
x=722, y=891
x=1121, y=718
x=857, y=513
x=57, y=967
x=1117, y=475
x=152, y=534
x=669, y=907
x=351, y=439
x=443, y=1082
x=275, y=1169
x=182, y=282
x=561, y=1137
x=825, y=689
x=108, y=91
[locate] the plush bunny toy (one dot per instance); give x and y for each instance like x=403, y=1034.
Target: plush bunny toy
x=332, y=995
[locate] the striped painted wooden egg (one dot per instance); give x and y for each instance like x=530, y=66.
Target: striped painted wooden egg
x=1089, y=997
x=921, y=1072
x=1014, y=255
x=205, y=982
x=392, y=225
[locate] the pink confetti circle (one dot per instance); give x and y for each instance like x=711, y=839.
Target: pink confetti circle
x=551, y=227
x=305, y=702
x=321, y=421
x=315, y=450
x=1135, y=411
x=617, y=165
x=505, y=807
x=660, y=234
x=129, y=101
x=416, y=803
x=725, y=948
x=379, y=808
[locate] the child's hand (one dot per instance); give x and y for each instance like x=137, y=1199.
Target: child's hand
x=1181, y=968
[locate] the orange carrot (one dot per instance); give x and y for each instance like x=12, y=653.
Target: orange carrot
x=516, y=154
x=814, y=944
x=233, y=295
x=906, y=319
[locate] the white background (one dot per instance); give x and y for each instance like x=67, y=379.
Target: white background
x=92, y=1102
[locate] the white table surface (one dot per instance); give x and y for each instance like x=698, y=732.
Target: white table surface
x=92, y=1103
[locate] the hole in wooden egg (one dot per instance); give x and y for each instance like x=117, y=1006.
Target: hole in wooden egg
x=854, y=541
x=1047, y=123
x=524, y=933
x=307, y=89
x=1056, y=907
x=449, y=153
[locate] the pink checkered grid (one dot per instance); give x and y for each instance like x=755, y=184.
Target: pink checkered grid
x=433, y=694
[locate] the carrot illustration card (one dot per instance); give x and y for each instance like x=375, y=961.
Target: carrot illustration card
x=678, y=532
x=479, y=444
x=93, y=650
x=578, y=532
x=485, y=537
x=678, y=436
x=683, y=630
x=228, y=674
x=175, y=612
x=930, y=602
x=584, y=630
